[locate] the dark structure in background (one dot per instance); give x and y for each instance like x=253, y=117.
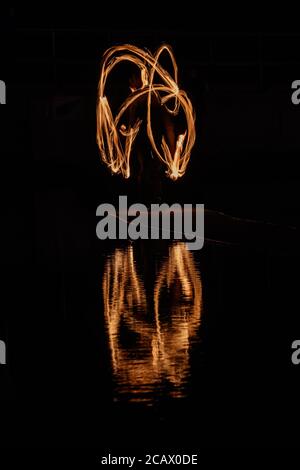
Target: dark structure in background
x=246, y=155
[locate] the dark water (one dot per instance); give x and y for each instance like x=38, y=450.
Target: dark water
x=146, y=344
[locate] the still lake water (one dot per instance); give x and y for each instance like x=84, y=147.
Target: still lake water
x=146, y=341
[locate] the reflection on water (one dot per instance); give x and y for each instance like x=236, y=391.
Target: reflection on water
x=152, y=307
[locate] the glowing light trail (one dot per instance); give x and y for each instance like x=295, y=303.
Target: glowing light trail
x=116, y=139
x=150, y=346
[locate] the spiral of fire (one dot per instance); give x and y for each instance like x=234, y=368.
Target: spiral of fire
x=115, y=140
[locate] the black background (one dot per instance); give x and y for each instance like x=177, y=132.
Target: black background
x=238, y=69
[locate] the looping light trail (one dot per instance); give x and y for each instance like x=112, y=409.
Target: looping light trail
x=160, y=352
x=115, y=139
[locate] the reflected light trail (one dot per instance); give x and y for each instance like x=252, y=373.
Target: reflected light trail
x=151, y=330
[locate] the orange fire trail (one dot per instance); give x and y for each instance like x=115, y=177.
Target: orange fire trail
x=162, y=342
x=115, y=140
